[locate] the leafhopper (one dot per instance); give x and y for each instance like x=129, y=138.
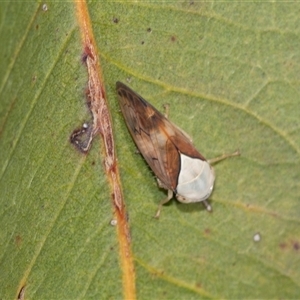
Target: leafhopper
x=168, y=150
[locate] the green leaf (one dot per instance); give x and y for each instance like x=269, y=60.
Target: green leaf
x=230, y=72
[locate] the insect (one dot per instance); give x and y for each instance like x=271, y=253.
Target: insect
x=169, y=151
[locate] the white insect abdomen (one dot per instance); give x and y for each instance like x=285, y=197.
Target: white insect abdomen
x=195, y=180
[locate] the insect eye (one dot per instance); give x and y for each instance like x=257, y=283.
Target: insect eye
x=181, y=199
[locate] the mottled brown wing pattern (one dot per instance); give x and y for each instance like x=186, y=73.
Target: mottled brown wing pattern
x=143, y=123
x=159, y=141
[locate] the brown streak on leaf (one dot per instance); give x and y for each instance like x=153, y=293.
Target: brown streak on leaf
x=102, y=124
x=88, y=52
x=5, y=117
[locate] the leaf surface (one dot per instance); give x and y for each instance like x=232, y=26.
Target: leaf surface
x=230, y=72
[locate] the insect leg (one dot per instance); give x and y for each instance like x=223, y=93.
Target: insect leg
x=167, y=109
x=162, y=202
x=224, y=156
x=207, y=206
